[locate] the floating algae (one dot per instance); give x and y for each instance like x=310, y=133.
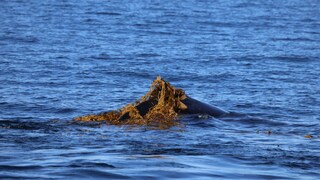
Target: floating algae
x=160, y=106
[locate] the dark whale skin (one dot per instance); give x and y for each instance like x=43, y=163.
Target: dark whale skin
x=198, y=107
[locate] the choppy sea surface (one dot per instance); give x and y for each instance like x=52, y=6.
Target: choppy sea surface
x=258, y=60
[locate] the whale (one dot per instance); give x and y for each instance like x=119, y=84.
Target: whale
x=162, y=102
x=193, y=107
x=197, y=107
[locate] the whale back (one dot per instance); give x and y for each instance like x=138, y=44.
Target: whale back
x=197, y=107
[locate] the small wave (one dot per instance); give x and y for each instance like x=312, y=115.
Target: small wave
x=105, y=13
x=218, y=23
x=292, y=58
x=245, y=5
x=159, y=32
x=28, y=125
x=21, y=39
x=246, y=119
x=301, y=39
x=91, y=164
x=102, y=56
x=148, y=55
x=65, y=110
x=94, y=173
x=19, y=168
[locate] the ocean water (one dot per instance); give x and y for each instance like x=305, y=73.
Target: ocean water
x=258, y=60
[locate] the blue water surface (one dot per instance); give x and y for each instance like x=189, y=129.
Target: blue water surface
x=257, y=59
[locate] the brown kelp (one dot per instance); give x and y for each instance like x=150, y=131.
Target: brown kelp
x=161, y=105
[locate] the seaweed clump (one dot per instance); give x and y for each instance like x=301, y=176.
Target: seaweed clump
x=160, y=106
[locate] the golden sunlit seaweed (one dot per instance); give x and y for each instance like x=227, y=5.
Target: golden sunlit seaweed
x=160, y=106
